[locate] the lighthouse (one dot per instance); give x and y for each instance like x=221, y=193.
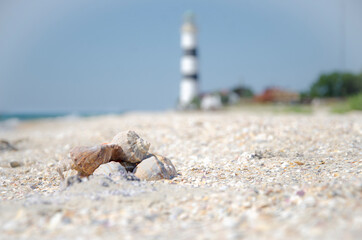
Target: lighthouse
x=189, y=64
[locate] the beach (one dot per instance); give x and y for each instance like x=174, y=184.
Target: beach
x=241, y=174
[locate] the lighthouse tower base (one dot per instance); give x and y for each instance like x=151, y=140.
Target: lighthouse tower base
x=188, y=94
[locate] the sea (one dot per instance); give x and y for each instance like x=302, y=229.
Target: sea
x=11, y=120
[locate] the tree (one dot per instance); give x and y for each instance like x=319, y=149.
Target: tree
x=243, y=91
x=337, y=85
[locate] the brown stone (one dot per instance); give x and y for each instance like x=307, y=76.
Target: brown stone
x=87, y=159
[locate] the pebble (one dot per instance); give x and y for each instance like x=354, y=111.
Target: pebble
x=300, y=193
x=55, y=221
x=155, y=168
x=15, y=164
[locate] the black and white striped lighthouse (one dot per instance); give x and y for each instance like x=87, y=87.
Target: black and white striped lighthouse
x=189, y=66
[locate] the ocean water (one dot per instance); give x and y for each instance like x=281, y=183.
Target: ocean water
x=29, y=116
x=9, y=121
x=35, y=116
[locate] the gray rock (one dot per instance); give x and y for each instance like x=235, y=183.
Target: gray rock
x=133, y=146
x=116, y=171
x=154, y=168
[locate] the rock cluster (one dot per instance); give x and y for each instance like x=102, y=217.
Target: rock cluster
x=127, y=154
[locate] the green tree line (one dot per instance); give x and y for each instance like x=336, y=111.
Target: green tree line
x=337, y=84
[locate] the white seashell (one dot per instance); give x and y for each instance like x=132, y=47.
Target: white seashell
x=109, y=169
x=154, y=168
x=133, y=146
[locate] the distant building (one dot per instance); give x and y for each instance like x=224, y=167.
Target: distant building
x=277, y=95
x=211, y=102
x=189, y=89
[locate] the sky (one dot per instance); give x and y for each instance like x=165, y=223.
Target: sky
x=85, y=56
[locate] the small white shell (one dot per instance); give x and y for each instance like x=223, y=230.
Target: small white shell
x=109, y=169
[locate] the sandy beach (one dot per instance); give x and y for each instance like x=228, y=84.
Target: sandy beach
x=240, y=175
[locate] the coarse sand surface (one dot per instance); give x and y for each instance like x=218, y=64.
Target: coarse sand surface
x=240, y=175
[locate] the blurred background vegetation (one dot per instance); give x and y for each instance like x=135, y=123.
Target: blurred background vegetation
x=336, y=84
x=342, y=89
x=336, y=92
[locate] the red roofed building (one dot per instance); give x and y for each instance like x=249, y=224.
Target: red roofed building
x=277, y=95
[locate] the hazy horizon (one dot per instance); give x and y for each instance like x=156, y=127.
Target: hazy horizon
x=84, y=56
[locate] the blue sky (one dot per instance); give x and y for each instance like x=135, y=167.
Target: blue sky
x=124, y=55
